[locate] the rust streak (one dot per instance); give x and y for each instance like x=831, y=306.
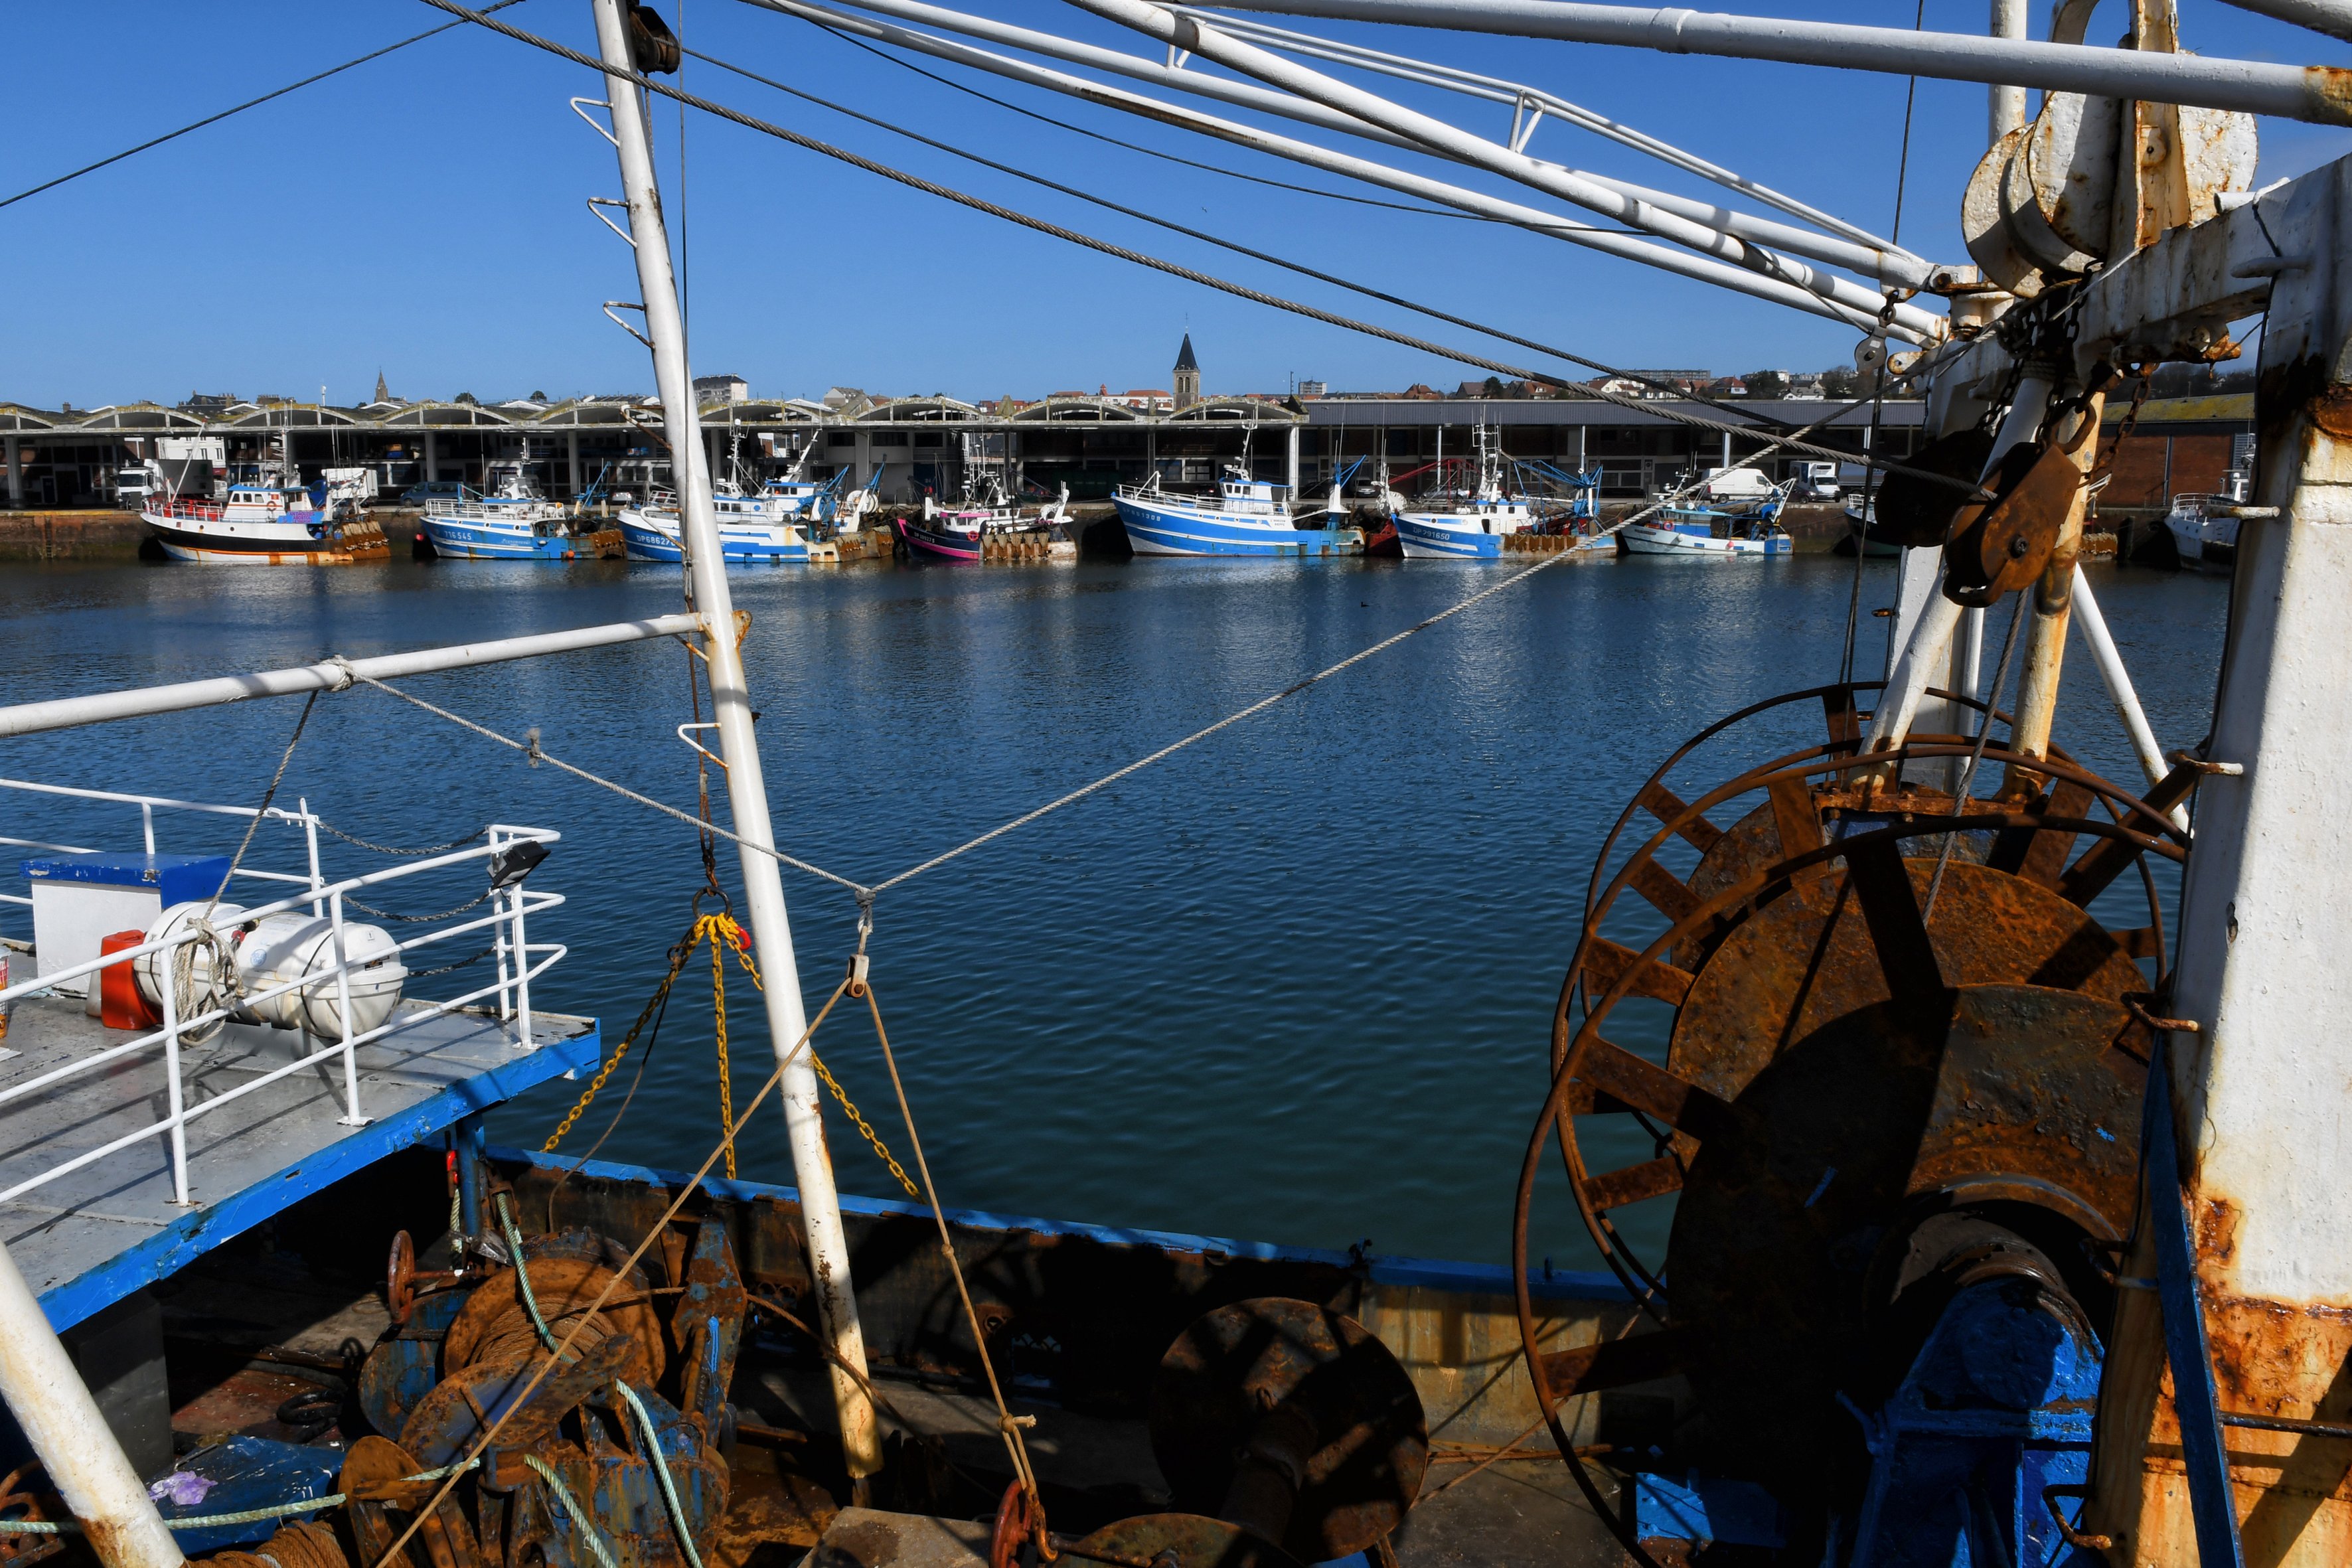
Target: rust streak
x=1621, y=1189
x=1665, y=805
x=1606, y=962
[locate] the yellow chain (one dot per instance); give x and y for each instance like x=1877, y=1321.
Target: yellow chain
x=714, y=924
x=734, y=935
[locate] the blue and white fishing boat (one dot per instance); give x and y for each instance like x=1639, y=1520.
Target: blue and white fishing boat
x=1467, y=526
x=514, y=521
x=1687, y=529
x=755, y=530
x=1245, y=517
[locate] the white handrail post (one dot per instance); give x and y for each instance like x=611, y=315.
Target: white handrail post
x=311, y=834
x=350, y=1117
x=498, y=941
x=747, y=790
x=84, y=1460
x=168, y=996
x=523, y=972
x=147, y=824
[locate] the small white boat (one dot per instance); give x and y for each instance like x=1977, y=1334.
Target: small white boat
x=261, y=525
x=1706, y=531
x=2204, y=536
x=755, y=530
x=1245, y=517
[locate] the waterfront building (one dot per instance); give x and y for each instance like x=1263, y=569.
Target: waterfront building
x=1188, y=375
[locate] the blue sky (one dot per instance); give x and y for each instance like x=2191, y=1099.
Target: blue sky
x=424, y=215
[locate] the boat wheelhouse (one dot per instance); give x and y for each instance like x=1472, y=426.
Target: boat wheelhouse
x=1245, y=517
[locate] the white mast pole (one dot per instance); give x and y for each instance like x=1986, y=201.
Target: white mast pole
x=746, y=793
x=60, y=1419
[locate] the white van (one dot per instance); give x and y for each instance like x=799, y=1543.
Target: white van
x=1742, y=483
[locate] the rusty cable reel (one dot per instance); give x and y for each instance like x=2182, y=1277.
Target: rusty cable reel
x=1292, y=1421
x=1999, y=546
x=1838, y=1068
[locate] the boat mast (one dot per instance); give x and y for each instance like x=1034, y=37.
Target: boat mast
x=747, y=794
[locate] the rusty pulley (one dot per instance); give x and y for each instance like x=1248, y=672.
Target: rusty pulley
x=654, y=48
x=1915, y=512
x=2002, y=545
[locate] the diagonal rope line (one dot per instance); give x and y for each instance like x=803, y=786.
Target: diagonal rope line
x=532, y=750
x=1190, y=275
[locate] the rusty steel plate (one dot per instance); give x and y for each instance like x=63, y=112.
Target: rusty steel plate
x=1234, y=1366
x=1808, y=959
x=1177, y=1541
x=1995, y=1093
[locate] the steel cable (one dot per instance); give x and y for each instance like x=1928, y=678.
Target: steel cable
x=1159, y=264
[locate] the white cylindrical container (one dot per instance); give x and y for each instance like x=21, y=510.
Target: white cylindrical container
x=296, y=946
x=153, y=967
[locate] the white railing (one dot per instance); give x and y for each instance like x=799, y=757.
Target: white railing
x=518, y=962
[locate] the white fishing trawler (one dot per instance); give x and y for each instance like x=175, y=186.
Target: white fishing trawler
x=261, y=525
x=1473, y=525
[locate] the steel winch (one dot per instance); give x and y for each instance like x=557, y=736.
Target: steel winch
x=1893, y=1068
x=615, y=1458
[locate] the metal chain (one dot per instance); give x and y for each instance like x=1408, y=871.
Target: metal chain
x=443, y=915
x=734, y=934
x=449, y=968
x=678, y=954
x=392, y=850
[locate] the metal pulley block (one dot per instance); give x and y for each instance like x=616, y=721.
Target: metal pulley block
x=1290, y=1424
x=1998, y=546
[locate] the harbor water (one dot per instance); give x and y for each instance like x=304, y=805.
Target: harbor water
x=1293, y=984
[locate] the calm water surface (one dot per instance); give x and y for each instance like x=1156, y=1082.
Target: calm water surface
x=1294, y=984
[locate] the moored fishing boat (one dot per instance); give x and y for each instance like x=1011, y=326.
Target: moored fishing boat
x=514, y=521
x=261, y=525
x=1706, y=530
x=962, y=532
x=2204, y=532
x=1469, y=526
x=752, y=529
x=1245, y=517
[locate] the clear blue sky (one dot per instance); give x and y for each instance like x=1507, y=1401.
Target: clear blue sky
x=424, y=213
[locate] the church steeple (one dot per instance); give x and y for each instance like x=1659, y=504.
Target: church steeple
x=1188, y=375
x=382, y=393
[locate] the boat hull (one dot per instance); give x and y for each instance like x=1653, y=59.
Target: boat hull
x=456, y=539
x=1436, y=537
x=762, y=545
x=934, y=544
x=1641, y=538
x=1161, y=530
x=276, y=548
x=2194, y=541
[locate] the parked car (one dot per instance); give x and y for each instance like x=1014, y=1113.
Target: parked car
x=432, y=490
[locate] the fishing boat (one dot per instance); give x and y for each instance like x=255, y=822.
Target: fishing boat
x=1689, y=530
x=1861, y=516
x=1245, y=517
x=1472, y=525
x=2204, y=530
x=513, y=521
x=261, y=525
x=961, y=531
x=2003, y=1229
x=752, y=529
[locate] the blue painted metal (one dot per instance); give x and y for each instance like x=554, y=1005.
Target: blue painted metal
x=468, y=1140
x=708, y=1326
x=402, y=1370
x=172, y=1248
x=1709, y=1508
x=1996, y=1407
x=239, y=1473
x=2195, y=1399
x=178, y=877
x=1433, y=1274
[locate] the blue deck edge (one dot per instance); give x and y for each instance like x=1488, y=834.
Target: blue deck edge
x=175, y=1246
x=1487, y=1279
